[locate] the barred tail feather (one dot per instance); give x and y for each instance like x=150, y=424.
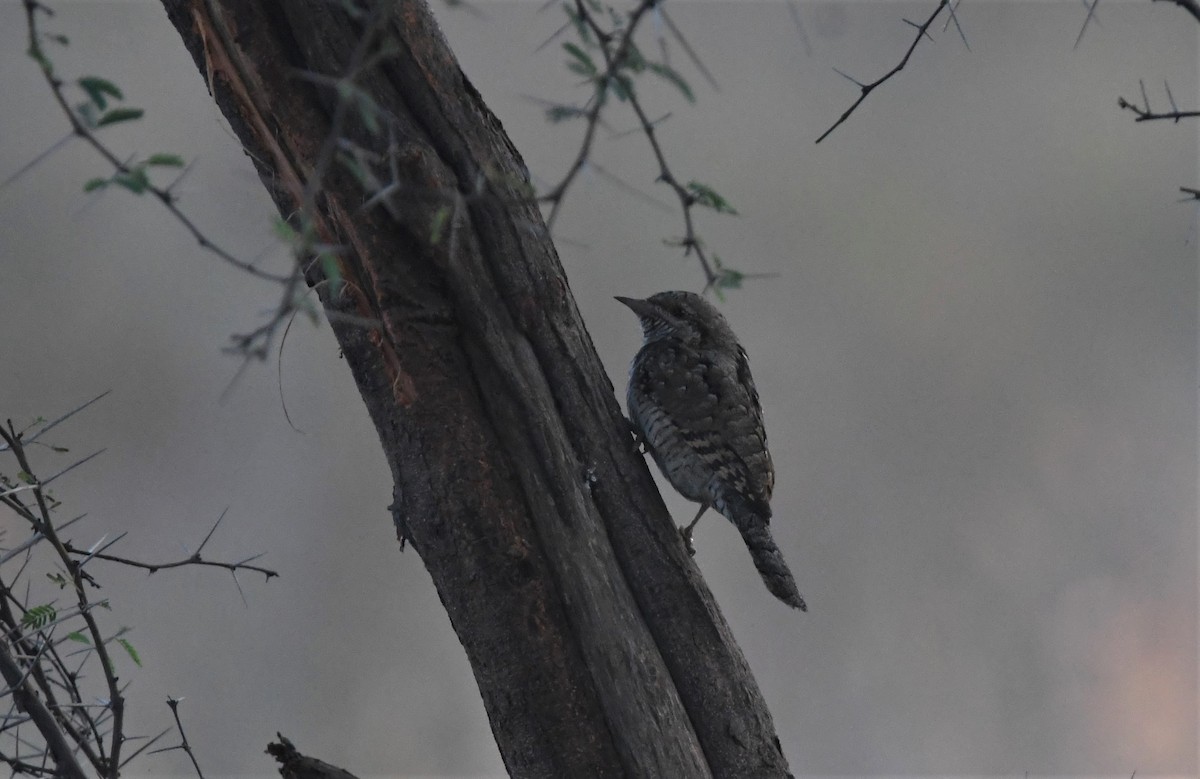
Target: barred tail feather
x=766, y=555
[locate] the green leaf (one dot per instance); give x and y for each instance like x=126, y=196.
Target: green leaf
x=81, y=638
x=368, y=111
x=119, y=115
x=706, y=196
x=622, y=86
x=164, y=160
x=668, y=73
x=730, y=279
x=93, y=184
x=580, y=63
x=352, y=164
x=726, y=278
x=34, y=52
x=97, y=88
x=438, y=224
x=87, y=114
x=134, y=179
x=581, y=29
x=26, y=477
x=560, y=113
x=634, y=59
x=284, y=231
x=39, y=616
x=132, y=652
x=332, y=270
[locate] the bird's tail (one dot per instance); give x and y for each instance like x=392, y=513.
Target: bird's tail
x=766, y=555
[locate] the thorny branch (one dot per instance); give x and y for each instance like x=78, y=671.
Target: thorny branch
x=867, y=89
x=1143, y=113
x=39, y=516
x=43, y=687
x=256, y=343
x=615, y=59
x=617, y=48
x=80, y=130
x=183, y=742
x=250, y=345
x=194, y=558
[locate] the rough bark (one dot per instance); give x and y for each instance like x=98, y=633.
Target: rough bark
x=596, y=646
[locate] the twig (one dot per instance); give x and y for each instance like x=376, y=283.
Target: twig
x=33, y=652
x=193, y=559
x=183, y=742
x=615, y=51
x=64, y=756
x=1091, y=14
x=614, y=61
x=78, y=128
x=866, y=89
x=108, y=765
x=1144, y=113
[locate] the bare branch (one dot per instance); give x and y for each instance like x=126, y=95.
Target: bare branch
x=48, y=427
x=73, y=466
x=953, y=18
x=1144, y=113
x=183, y=742
x=108, y=765
x=34, y=638
x=194, y=558
x=866, y=89
x=47, y=724
x=1091, y=14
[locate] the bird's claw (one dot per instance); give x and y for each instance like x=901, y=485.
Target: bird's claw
x=686, y=534
x=639, y=443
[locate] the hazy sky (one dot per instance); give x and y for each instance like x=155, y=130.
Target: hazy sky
x=977, y=357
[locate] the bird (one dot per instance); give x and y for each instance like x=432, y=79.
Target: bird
x=693, y=404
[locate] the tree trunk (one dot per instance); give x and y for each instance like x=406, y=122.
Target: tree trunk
x=596, y=646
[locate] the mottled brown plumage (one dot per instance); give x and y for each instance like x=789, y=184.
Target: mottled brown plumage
x=693, y=402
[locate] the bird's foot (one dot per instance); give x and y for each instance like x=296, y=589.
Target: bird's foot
x=639, y=443
x=686, y=534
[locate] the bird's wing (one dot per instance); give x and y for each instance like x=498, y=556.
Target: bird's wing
x=714, y=406
x=756, y=446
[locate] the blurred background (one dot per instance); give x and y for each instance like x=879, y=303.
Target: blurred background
x=977, y=354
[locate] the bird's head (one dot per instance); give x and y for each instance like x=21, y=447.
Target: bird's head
x=683, y=316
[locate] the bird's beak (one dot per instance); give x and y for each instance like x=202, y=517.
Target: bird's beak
x=640, y=307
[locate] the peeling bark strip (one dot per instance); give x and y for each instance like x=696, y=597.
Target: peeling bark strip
x=597, y=648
